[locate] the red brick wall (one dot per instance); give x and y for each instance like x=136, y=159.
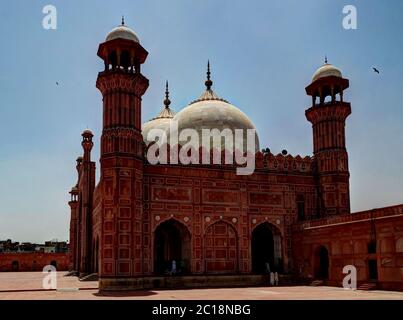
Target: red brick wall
x=33, y=261
x=346, y=239
x=200, y=197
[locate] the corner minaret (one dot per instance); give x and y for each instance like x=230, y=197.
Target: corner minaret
x=86, y=185
x=73, y=203
x=122, y=86
x=328, y=115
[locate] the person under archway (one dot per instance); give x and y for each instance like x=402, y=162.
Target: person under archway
x=171, y=248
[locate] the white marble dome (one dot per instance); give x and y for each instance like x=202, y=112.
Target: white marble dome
x=207, y=112
x=122, y=32
x=162, y=121
x=212, y=112
x=325, y=71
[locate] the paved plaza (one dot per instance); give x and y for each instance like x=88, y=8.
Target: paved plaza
x=28, y=285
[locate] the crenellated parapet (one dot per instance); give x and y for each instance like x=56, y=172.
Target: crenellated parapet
x=165, y=154
x=284, y=163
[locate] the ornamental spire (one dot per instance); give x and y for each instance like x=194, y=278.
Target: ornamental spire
x=208, y=82
x=325, y=59
x=167, y=102
x=166, y=112
x=123, y=20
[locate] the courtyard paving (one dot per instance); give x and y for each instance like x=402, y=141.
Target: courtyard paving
x=28, y=286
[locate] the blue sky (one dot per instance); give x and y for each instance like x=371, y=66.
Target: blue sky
x=263, y=54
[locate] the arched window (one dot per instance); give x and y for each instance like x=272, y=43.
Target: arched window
x=15, y=266
x=125, y=60
x=322, y=263
x=113, y=60
x=301, y=207
x=53, y=263
x=399, y=245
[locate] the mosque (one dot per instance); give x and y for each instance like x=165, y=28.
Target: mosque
x=144, y=225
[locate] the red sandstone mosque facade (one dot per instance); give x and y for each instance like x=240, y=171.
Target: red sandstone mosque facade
x=291, y=215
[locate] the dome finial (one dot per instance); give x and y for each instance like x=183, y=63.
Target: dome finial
x=208, y=82
x=123, y=20
x=167, y=102
x=325, y=59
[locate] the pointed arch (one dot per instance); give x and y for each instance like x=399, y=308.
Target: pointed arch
x=266, y=249
x=172, y=247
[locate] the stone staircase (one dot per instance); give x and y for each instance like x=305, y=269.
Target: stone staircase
x=367, y=286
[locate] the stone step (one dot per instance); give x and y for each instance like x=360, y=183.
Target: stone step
x=367, y=286
x=90, y=277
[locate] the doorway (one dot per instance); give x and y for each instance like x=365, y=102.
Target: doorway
x=322, y=263
x=266, y=249
x=171, y=247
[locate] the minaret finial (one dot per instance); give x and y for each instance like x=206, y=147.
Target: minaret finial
x=208, y=82
x=123, y=20
x=326, y=59
x=167, y=102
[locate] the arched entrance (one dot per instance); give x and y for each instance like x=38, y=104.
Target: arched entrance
x=321, y=263
x=266, y=249
x=53, y=263
x=15, y=266
x=220, y=248
x=171, y=242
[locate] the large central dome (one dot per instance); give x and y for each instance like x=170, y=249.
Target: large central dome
x=207, y=112
x=212, y=112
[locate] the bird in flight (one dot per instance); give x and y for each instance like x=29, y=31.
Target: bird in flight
x=57, y=83
x=375, y=70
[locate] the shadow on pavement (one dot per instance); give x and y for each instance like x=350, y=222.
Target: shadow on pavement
x=117, y=294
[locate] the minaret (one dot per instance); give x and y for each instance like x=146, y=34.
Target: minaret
x=328, y=115
x=73, y=203
x=76, y=239
x=122, y=86
x=86, y=185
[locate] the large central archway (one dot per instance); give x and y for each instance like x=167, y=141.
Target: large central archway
x=266, y=249
x=171, y=243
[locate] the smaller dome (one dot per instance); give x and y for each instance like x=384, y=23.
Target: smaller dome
x=210, y=111
x=87, y=132
x=122, y=32
x=162, y=121
x=325, y=71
